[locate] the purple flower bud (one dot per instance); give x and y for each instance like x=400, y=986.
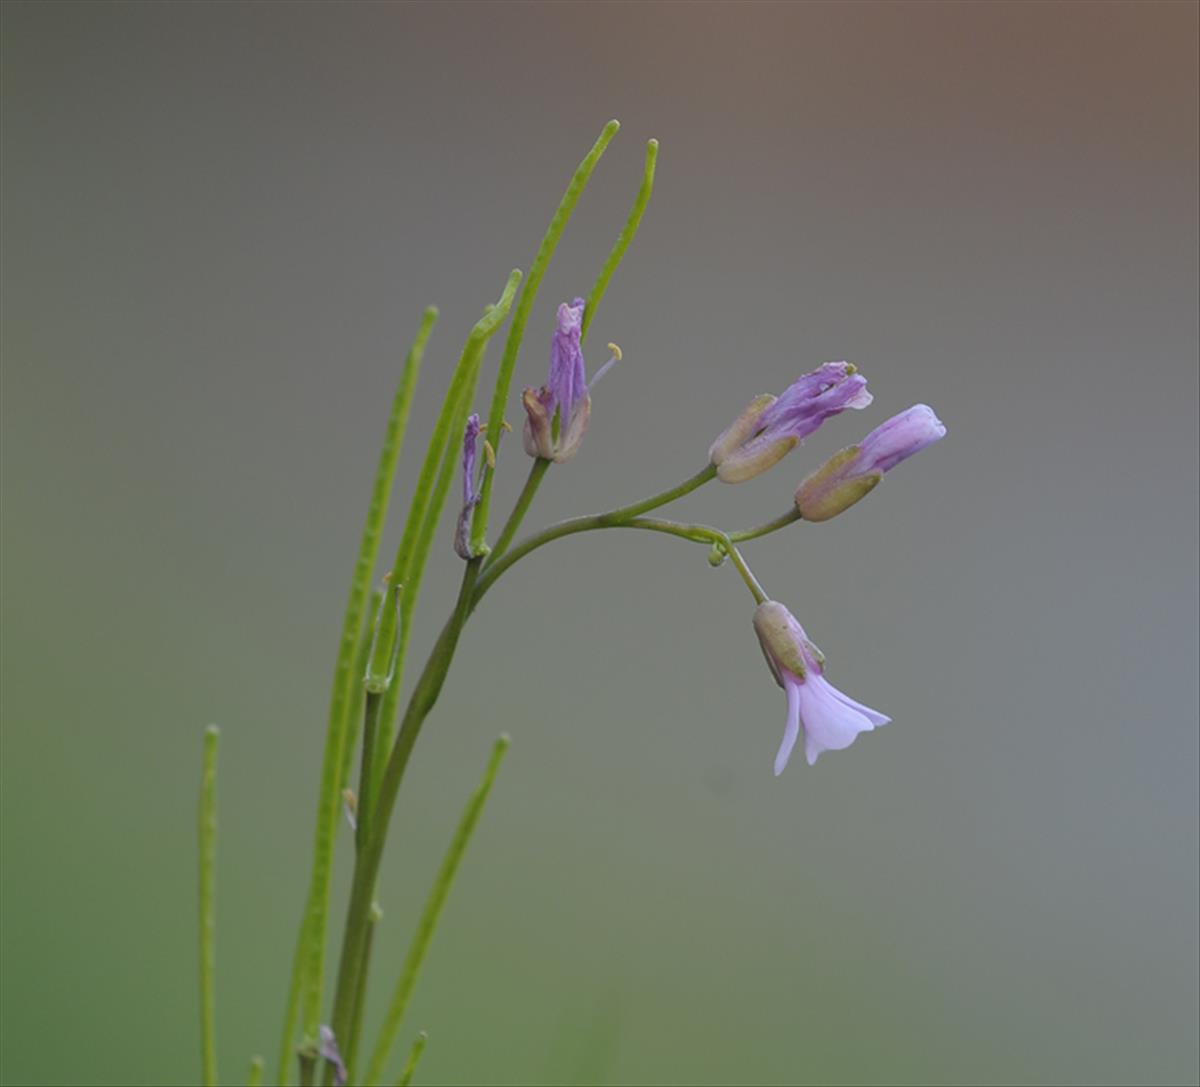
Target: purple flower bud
x=851, y=474
x=770, y=428
x=568, y=376
x=830, y=719
x=328, y=1048
x=900, y=437
x=470, y=492
x=565, y=392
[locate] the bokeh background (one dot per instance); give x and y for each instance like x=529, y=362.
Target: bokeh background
x=221, y=223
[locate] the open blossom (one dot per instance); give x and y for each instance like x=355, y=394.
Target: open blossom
x=830, y=720
x=470, y=491
x=565, y=391
x=771, y=427
x=851, y=474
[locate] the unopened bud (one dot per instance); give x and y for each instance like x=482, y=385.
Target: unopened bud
x=850, y=475
x=826, y=492
x=755, y=457
x=741, y=430
x=771, y=427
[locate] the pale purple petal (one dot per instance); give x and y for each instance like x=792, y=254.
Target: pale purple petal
x=470, y=441
x=791, y=730
x=874, y=716
x=898, y=439
x=829, y=723
x=568, y=377
x=806, y=403
x=462, y=528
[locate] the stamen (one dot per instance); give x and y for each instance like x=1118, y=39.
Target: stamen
x=617, y=355
x=489, y=454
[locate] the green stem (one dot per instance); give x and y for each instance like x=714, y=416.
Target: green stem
x=699, y=534
x=366, y=867
x=599, y=288
x=747, y=576
x=623, y=239
x=429, y=916
x=536, y=473
x=612, y=519
x=366, y=771
x=254, y=1077
x=355, y=708
x=295, y=986
x=429, y=497
x=414, y=1055
x=208, y=908
x=516, y=330
x=309, y=963
x=350, y=1054
x=782, y=521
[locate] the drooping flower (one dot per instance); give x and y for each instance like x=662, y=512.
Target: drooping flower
x=470, y=491
x=830, y=720
x=853, y=473
x=328, y=1048
x=771, y=427
x=565, y=392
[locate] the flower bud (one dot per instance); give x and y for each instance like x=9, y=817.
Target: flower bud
x=563, y=401
x=853, y=473
x=771, y=427
x=741, y=430
x=470, y=490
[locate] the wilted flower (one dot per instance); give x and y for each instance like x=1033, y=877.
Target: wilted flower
x=830, y=719
x=851, y=474
x=565, y=391
x=771, y=427
x=470, y=492
x=328, y=1048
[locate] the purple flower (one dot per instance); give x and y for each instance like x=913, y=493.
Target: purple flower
x=851, y=474
x=565, y=391
x=771, y=427
x=829, y=718
x=462, y=532
x=328, y=1048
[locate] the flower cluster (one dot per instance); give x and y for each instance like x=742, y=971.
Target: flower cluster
x=768, y=429
x=557, y=416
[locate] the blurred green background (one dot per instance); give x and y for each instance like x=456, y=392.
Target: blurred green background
x=221, y=223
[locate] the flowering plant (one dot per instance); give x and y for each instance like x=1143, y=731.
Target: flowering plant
x=365, y=722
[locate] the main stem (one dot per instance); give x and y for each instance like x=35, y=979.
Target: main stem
x=366, y=866
x=346, y=1006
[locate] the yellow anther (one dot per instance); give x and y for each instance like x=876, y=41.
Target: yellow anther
x=506, y=426
x=616, y=351
x=489, y=454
